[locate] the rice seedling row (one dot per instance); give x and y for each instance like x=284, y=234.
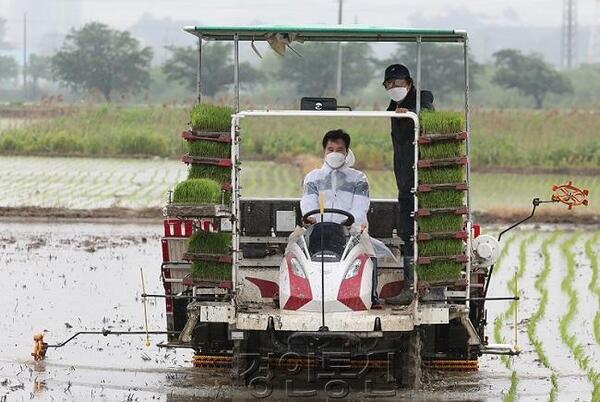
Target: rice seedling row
x=540, y=285
x=576, y=348
x=594, y=287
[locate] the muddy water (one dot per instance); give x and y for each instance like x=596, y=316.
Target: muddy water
x=66, y=277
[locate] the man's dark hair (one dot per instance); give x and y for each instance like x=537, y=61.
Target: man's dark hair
x=335, y=135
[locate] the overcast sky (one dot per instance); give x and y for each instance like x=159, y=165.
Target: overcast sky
x=123, y=13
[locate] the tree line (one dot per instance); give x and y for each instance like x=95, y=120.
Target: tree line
x=97, y=58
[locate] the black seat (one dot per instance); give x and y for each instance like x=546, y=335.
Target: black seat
x=335, y=237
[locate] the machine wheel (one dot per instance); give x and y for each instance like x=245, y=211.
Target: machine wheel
x=245, y=361
x=410, y=370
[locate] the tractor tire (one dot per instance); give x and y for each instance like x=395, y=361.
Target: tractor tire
x=410, y=376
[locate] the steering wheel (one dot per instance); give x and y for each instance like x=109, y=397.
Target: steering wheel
x=348, y=215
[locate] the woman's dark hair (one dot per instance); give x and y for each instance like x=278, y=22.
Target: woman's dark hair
x=334, y=135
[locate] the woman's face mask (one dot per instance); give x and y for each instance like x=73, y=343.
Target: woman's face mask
x=335, y=160
x=397, y=93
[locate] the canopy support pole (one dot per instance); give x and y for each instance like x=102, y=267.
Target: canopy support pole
x=236, y=71
x=418, y=83
x=199, y=72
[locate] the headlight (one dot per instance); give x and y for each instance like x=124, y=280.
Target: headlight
x=297, y=268
x=353, y=270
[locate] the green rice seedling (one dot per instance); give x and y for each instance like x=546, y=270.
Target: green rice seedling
x=440, y=150
x=593, y=285
x=441, y=199
x=216, y=173
x=211, y=270
x=209, y=242
x=440, y=271
x=209, y=149
x=441, y=247
x=540, y=285
x=197, y=191
x=207, y=117
x=440, y=223
x=452, y=174
x=446, y=122
x=512, y=391
x=565, y=321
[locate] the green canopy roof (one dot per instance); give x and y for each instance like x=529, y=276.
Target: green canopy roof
x=328, y=33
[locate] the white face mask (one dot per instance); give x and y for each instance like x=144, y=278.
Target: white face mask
x=397, y=93
x=335, y=160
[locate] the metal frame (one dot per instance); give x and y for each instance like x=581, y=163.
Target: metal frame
x=333, y=34
x=235, y=159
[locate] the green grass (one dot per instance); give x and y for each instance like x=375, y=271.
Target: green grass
x=576, y=348
x=209, y=242
x=442, y=122
x=441, y=175
x=441, y=247
x=441, y=199
x=440, y=150
x=440, y=271
x=101, y=131
x=209, y=149
x=440, y=223
x=197, y=191
x=513, y=138
x=540, y=285
x=216, y=173
x=206, y=117
x=211, y=270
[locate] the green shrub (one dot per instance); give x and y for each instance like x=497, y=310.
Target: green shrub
x=142, y=144
x=445, y=122
x=209, y=242
x=197, y=191
x=209, y=149
x=11, y=143
x=207, y=117
x=216, y=173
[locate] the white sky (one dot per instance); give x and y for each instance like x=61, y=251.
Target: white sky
x=58, y=16
x=123, y=13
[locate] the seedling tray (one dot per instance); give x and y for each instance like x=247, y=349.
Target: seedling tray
x=198, y=211
x=455, y=258
x=196, y=160
x=430, y=138
x=426, y=188
x=219, y=136
x=462, y=235
x=226, y=259
x=433, y=163
x=434, y=211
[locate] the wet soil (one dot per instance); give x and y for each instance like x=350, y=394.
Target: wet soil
x=63, y=277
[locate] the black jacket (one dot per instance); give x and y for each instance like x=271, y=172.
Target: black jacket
x=403, y=129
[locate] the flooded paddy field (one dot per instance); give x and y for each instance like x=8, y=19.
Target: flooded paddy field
x=61, y=278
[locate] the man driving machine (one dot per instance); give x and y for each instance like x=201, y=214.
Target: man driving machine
x=343, y=188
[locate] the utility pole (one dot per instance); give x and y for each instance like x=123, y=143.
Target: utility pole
x=569, y=31
x=338, y=84
x=25, y=55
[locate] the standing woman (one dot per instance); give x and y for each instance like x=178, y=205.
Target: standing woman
x=399, y=86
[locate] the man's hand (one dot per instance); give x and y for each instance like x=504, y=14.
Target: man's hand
x=310, y=221
x=401, y=110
